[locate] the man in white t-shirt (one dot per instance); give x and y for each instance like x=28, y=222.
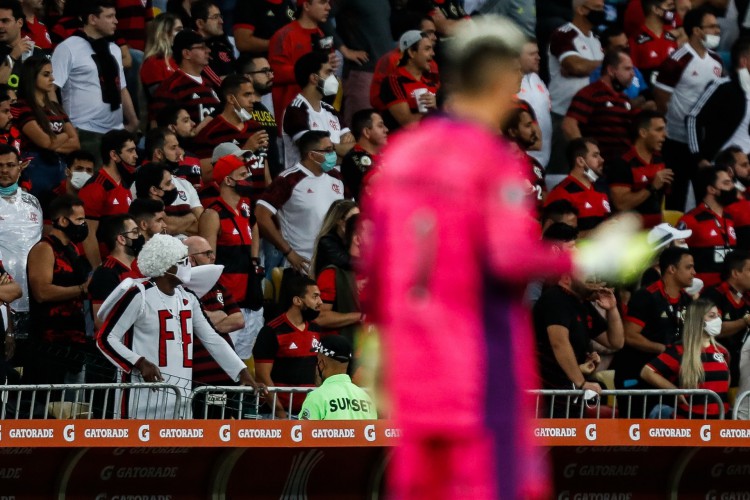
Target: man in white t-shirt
x=574, y=53
x=300, y=197
x=80, y=64
x=307, y=111
x=682, y=79
x=534, y=91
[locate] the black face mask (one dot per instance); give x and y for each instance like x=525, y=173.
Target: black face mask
x=619, y=87
x=135, y=246
x=727, y=197
x=169, y=196
x=75, y=233
x=172, y=166
x=244, y=188
x=309, y=315
x=596, y=17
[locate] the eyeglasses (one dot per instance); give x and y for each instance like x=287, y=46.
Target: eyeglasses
x=133, y=232
x=267, y=71
x=9, y=165
x=207, y=253
x=330, y=150
x=215, y=17
x=202, y=46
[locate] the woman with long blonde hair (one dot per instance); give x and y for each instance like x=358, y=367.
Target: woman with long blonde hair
x=696, y=362
x=329, y=246
x=158, y=63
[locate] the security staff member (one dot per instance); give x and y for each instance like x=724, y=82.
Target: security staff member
x=337, y=398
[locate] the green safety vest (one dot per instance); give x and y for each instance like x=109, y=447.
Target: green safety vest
x=338, y=399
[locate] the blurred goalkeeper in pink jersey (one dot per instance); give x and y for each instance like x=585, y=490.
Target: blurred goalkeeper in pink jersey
x=454, y=244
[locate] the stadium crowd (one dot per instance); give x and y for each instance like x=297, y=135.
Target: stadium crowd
x=142, y=140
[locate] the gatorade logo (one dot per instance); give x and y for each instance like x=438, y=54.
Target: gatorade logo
x=225, y=433
x=370, y=433
x=69, y=433
x=144, y=433
x=635, y=432
x=591, y=432
x=297, y=433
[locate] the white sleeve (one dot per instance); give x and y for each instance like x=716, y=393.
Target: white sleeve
x=216, y=346
x=117, y=52
x=192, y=195
x=117, y=324
x=61, y=64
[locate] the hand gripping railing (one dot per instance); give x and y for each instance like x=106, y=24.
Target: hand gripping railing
x=91, y=401
x=570, y=403
x=240, y=402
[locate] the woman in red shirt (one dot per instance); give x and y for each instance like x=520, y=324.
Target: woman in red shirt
x=158, y=63
x=46, y=131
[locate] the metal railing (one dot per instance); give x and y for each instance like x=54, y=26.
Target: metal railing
x=241, y=402
x=742, y=398
x=637, y=403
x=91, y=401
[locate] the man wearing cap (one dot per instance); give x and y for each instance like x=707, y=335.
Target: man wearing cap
x=639, y=179
x=234, y=125
x=230, y=228
x=258, y=171
x=284, y=354
x=307, y=111
x=409, y=93
x=190, y=85
x=299, y=198
x=654, y=320
x=337, y=398
x=162, y=318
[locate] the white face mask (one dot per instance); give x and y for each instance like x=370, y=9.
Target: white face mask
x=78, y=179
x=740, y=186
x=183, y=272
x=243, y=114
x=589, y=172
x=744, y=75
x=330, y=86
x=711, y=41
x=713, y=327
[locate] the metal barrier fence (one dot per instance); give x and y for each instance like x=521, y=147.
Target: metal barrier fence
x=638, y=403
x=140, y=401
x=741, y=409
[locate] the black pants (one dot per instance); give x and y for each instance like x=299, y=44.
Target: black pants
x=677, y=156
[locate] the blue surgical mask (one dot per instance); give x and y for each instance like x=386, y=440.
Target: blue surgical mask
x=9, y=190
x=329, y=162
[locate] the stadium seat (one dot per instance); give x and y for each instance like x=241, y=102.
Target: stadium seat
x=607, y=379
x=671, y=217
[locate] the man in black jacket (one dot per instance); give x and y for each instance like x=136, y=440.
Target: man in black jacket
x=719, y=119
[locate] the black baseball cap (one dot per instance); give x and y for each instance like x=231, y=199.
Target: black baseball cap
x=335, y=347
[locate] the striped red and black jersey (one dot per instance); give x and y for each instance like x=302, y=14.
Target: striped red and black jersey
x=131, y=22
x=106, y=278
x=605, y=115
x=217, y=131
x=732, y=305
x=263, y=17
x=205, y=369
x=61, y=321
x=400, y=87
x=103, y=197
x=64, y=28
x=233, y=246
x=385, y=67
x=208, y=194
x=633, y=172
x=190, y=170
x=450, y=9
x=354, y=166
x=198, y=99
x=661, y=319
x=23, y=115
x=713, y=237
x=715, y=361
x=593, y=206
x=740, y=213
x=289, y=349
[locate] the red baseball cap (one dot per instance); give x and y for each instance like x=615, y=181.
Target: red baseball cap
x=225, y=166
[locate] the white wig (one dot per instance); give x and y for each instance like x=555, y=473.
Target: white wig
x=159, y=254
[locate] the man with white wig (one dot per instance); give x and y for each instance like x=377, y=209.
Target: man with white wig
x=158, y=318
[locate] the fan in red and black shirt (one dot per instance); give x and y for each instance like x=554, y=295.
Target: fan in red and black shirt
x=733, y=157
x=9, y=133
x=639, y=179
x=34, y=28
x=654, y=41
x=191, y=86
x=371, y=134
x=132, y=16
x=666, y=372
x=209, y=24
x=601, y=110
x=282, y=352
x=521, y=129
x=256, y=21
x=731, y=299
x=578, y=187
x=409, y=92
x=713, y=229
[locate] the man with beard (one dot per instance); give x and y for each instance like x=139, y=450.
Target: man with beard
x=587, y=166
x=735, y=159
x=258, y=70
x=372, y=135
x=162, y=146
x=9, y=134
x=14, y=48
x=565, y=323
x=176, y=119
x=284, y=353
x=601, y=110
x=155, y=181
x=209, y=24
x=107, y=193
x=521, y=130
x=713, y=229
x=639, y=179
